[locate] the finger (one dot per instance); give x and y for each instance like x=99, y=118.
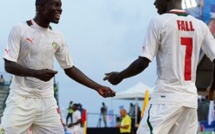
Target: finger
x=53, y=72
x=110, y=93
x=106, y=77
x=113, y=94
x=104, y=95
x=107, y=73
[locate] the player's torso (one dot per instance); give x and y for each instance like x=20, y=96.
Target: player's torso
x=179, y=47
x=38, y=47
x=37, y=50
x=75, y=117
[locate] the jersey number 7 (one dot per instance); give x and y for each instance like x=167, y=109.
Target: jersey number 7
x=188, y=43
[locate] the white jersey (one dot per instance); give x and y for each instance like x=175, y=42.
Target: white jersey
x=176, y=38
x=75, y=117
x=35, y=47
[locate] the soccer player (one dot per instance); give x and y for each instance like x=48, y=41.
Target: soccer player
x=175, y=39
x=76, y=120
x=29, y=56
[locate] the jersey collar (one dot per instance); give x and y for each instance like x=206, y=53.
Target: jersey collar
x=178, y=12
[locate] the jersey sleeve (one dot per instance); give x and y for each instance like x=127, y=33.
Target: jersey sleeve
x=208, y=45
x=13, y=45
x=151, y=41
x=63, y=56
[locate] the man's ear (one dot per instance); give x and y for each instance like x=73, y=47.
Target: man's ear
x=40, y=7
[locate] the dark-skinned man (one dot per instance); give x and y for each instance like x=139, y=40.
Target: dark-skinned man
x=76, y=121
x=29, y=56
x=175, y=39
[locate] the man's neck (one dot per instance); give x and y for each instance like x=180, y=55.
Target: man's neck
x=41, y=22
x=174, y=5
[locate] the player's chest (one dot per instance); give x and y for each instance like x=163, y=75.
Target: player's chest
x=38, y=42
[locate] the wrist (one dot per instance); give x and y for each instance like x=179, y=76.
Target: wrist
x=120, y=76
x=98, y=87
x=33, y=73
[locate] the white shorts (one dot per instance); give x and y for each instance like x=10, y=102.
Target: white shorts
x=22, y=113
x=75, y=131
x=168, y=119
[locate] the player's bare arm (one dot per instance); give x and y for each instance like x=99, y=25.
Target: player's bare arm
x=133, y=69
x=19, y=70
x=81, y=78
x=211, y=91
x=76, y=123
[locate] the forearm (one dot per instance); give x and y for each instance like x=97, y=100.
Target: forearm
x=77, y=122
x=124, y=126
x=134, y=68
x=81, y=78
x=17, y=69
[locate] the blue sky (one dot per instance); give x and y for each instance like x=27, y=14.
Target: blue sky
x=102, y=35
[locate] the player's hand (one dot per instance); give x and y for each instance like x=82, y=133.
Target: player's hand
x=113, y=78
x=70, y=125
x=106, y=92
x=211, y=93
x=45, y=74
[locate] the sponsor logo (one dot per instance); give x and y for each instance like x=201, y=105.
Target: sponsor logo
x=7, y=51
x=30, y=40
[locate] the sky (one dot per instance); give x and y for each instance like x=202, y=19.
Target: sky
x=102, y=36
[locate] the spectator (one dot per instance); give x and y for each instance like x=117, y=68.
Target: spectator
x=104, y=113
x=70, y=112
x=1, y=81
x=125, y=125
x=81, y=109
x=138, y=113
x=131, y=113
x=76, y=120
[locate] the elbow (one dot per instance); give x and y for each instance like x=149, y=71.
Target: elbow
x=69, y=71
x=143, y=63
x=8, y=66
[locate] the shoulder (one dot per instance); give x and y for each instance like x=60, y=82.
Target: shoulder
x=58, y=34
x=19, y=26
x=201, y=25
x=157, y=21
x=18, y=30
x=127, y=118
x=77, y=112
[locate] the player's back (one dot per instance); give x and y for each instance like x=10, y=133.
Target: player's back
x=180, y=38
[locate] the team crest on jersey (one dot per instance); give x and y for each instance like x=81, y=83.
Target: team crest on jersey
x=54, y=45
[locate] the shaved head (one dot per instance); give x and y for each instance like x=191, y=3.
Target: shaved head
x=123, y=112
x=164, y=6
x=39, y=2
